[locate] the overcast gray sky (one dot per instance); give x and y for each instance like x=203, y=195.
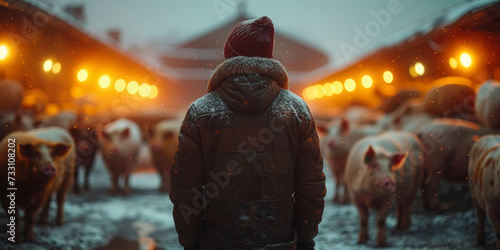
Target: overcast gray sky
x=331, y=26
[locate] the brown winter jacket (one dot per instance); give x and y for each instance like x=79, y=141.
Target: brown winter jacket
x=248, y=172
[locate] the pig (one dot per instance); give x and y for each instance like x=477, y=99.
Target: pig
x=451, y=101
x=85, y=134
x=120, y=142
x=488, y=105
x=15, y=122
x=44, y=165
x=381, y=170
x=394, y=102
x=484, y=181
x=163, y=146
x=63, y=119
x=335, y=147
x=409, y=116
x=361, y=115
x=11, y=96
x=447, y=144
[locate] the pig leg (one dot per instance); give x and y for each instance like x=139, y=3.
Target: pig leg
x=44, y=215
x=61, y=197
x=76, y=187
x=29, y=219
x=494, y=215
x=404, y=210
x=345, y=195
x=381, y=228
x=481, y=215
x=337, y=187
x=430, y=186
x=126, y=188
x=114, y=182
x=363, y=220
x=86, y=186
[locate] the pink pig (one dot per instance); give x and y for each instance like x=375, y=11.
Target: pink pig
x=381, y=170
x=484, y=173
x=336, y=146
x=163, y=145
x=121, y=141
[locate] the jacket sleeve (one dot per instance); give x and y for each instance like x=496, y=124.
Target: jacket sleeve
x=186, y=191
x=310, y=187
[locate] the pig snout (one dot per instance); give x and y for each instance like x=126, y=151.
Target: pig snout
x=387, y=184
x=115, y=151
x=156, y=146
x=49, y=170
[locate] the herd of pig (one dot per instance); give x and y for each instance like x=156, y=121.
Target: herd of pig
x=49, y=151
x=385, y=156
x=378, y=157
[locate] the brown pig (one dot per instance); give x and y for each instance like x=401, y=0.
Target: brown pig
x=85, y=134
x=488, y=104
x=451, y=101
x=163, y=145
x=44, y=164
x=381, y=170
x=447, y=144
x=335, y=147
x=484, y=172
x=120, y=142
x=15, y=122
x=11, y=95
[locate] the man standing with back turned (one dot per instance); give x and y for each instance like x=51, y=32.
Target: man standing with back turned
x=248, y=172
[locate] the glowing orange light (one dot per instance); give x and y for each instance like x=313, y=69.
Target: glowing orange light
x=144, y=90
x=3, y=52
x=350, y=85
x=56, y=68
x=47, y=65
x=453, y=62
x=419, y=68
x=154, y=92
x=321, y=91
x=82, y=75
x=388, y=77
x=132, y=87
x=465, y=60
x=337, y=87
x=104, y=81
x=120, y=85
x=366, y=81
x=328, y=88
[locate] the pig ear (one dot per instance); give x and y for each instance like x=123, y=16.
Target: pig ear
x=397, y=121
x=126, y=133
x=60, y=150
x=370, y=153
x=25, y=150
x=398, y=159
x=321, y=128
x=344, y=126
x=168, y=135
x=105, y=135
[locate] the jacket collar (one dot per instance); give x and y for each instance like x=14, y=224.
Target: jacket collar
x=242, y=65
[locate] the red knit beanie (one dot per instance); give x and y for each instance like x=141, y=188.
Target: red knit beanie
x=252, y=38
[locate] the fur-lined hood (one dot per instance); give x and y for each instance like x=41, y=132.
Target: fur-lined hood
x=244, y=66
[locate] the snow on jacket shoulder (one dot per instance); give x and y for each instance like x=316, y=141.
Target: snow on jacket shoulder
x=248, y=171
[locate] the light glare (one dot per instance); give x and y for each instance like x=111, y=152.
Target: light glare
x=82, y=75
x=465, y=60
x=366, y=81
x=350, y=85
x=47, y=65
